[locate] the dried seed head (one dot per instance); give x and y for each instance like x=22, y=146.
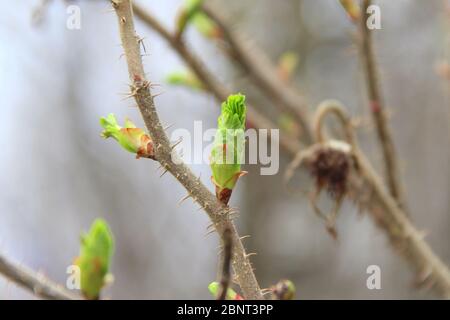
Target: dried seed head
x=330, y=167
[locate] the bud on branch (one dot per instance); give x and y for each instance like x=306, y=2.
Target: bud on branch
x=132, y=139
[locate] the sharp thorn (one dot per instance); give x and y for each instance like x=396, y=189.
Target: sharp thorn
x=184, y=198
x=164, y=172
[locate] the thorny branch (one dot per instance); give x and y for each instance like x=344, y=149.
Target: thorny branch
x=218, y=213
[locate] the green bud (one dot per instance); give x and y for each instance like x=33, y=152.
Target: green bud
x=132, y=139
x=284, y=290
x=228, y=148
x=214, y=288
x=96, y=251
x=287, y=64
x=192, y=13
x=185, y=78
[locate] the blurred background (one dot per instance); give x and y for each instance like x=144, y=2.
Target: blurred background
x=58, y=174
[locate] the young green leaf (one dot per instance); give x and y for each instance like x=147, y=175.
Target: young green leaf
x=96, y=250
x=228, y=148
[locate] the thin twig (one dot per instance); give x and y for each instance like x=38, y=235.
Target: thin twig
x=36, y=283
x=226, y=264
x=377, y=109
x=218, y=213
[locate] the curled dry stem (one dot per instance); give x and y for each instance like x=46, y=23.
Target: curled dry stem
x=365, y=188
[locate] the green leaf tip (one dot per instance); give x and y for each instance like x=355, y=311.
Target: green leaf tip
x=227, y=152
x=132, y=139
x=214, y=288
x=284, y=290
x=233, y=113
x=96, y=250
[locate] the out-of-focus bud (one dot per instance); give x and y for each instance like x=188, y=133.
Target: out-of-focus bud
x=228, y=148
x=96, y=251
x=132, y=139
x=287, y=122
x=352, y=9
x=185, y=78
x=284, y=290
x=191, y=13
x=287, y=64
x=214, y=288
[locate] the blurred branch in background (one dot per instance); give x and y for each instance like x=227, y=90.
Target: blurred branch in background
x=35, y=282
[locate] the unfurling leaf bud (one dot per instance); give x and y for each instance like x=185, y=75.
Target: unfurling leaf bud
x=132, y=139
x=228, y=148
x=284, y=290
x=185, y=78
x=352, y=9
x=96, y=251
x=214, y=288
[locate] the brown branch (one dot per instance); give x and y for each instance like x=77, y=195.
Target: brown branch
x=36, y=283
x=263, y=73
x=378, y=111
x=226, y=263
x=218, y=213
